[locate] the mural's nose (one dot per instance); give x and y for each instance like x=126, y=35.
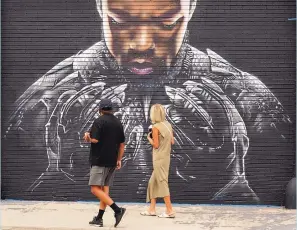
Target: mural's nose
x=143, y=39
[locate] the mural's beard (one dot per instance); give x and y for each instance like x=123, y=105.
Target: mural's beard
x=147, y=84
x=160, y=76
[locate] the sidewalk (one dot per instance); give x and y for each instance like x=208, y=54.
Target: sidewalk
x=31, y=215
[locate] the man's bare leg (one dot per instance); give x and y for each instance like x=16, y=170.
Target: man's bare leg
x=98, y=191
x=102, y=205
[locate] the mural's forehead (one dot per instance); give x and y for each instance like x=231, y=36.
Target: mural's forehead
x=142, y=7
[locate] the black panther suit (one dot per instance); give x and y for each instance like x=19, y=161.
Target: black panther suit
x=213, y=107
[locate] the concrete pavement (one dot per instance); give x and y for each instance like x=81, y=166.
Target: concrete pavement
x=31, y=215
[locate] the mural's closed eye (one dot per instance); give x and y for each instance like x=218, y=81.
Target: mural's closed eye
x=169, y=26
x=115, y=22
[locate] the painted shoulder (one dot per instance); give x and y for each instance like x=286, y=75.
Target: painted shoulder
x=232, y=77
x=219, y=70
x=66, y=73
x=80, y=62
x=211, y=62
x=90, y=59
x=80, y=65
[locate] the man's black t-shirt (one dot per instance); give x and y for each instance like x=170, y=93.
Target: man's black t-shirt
x=108, y=130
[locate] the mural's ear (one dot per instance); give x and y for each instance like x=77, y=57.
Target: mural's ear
x=99, y=7
x=192, y=7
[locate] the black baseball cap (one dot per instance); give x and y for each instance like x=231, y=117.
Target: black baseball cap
x=105, y=104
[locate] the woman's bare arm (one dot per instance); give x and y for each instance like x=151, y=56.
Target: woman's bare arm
x=155, y=138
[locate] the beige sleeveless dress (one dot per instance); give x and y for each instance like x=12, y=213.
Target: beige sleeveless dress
x=158, y=183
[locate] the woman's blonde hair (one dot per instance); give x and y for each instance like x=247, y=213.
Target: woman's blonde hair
x=157, y=113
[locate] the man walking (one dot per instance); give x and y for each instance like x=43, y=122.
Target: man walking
x=107, y=149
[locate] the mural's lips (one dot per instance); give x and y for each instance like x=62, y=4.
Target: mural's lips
x=144, y=68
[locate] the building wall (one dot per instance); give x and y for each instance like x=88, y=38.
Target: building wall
x=233, y=115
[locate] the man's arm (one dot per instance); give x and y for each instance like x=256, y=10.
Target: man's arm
x=87, y=138
x=93, y=135
x=121, y=151
x=121, y=148
x=120, y=155
x=94, y=141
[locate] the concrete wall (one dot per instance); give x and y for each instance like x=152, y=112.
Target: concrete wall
x=231, y=100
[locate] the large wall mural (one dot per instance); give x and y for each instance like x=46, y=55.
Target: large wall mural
x=218, y=111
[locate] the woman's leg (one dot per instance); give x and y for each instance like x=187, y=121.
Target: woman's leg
x=152, y=208
x=169, y=209
x=150, y=188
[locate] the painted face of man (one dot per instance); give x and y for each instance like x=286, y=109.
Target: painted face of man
x=144, y=36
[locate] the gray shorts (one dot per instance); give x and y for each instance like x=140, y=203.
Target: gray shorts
x=101, y=176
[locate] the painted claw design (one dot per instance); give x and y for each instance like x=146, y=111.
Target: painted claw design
x=88, y=112
x=205, y=100
x=180, y=99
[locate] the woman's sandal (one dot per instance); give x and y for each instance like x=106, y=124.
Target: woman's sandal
x=165, y=215
x=147, y=213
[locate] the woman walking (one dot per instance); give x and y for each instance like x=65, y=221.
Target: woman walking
x=162, y=139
